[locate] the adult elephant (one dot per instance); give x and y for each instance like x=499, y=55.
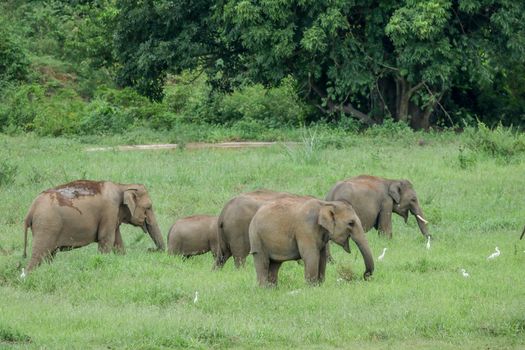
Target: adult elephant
x=82, y=212
x=375, y=199
x=234, y=222
x=300, y=228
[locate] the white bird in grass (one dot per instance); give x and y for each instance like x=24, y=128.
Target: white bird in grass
x=464, y=273
x=23, y=274
x=428, y=242
x=380, y=257
x=494, y=255
x=196, y=297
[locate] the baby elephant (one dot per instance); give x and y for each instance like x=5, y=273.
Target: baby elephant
x=300, y=228
x=193, y=235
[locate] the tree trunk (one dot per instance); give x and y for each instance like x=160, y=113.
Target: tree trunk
x=420, y=118
x=403, y=99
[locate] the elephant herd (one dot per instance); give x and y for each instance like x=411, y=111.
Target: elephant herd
x=272, y=226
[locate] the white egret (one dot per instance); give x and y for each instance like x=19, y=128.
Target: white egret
x=464, y=273
x=428, y=242
x=23, y=274
x=494, y=255
x=380, y=257
x=196, y=297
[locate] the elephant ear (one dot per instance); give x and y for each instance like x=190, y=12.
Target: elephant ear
x=130, y=200
x=394, y=191
x=327, y=217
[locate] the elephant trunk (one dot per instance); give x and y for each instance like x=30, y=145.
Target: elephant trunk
x=153, y=230
x=362, y=244
x=421, y=222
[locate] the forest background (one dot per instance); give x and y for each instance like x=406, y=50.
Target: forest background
x=256, y=68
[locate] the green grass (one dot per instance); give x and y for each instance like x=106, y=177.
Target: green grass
x=416, y=299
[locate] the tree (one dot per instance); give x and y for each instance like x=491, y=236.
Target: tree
x=14, y=64
x=368, y=59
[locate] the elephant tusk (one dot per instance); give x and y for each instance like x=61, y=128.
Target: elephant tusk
x=421, y=218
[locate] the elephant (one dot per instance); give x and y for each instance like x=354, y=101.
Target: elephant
x=300, y=228
x=193, y=235
x=375, y=198
x=81, y=212
x=234, y=222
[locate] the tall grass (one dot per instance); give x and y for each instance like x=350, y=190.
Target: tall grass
x=416, y=299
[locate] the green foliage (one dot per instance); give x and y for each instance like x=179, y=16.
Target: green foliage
x=8, y=172
x=466, y=158
x=390, y=128
x=306, y=151
x=117, y=110
x=255, y=65
x=12, y=336
x=20, y=106
x=14, y=63
x=28, y=108
x=272, y=107
x=501, y=142
x=161, y=35
x=399, y=60
x=189, y=96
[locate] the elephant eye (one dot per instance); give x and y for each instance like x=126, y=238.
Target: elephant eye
x=351, y=223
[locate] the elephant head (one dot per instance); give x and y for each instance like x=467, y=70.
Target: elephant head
x=405, y=200
x=342, y=223
x=138, y=211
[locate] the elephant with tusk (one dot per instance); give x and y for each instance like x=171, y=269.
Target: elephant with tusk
x=375, y=199
x=81, y=212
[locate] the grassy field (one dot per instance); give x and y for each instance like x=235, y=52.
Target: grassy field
x=416, y=299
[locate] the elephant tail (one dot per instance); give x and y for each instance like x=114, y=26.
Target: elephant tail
x=170, y=249
x=27, y=223
x=222, y=246
x=522, y=233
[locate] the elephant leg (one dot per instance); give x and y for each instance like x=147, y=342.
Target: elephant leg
x=240, y=250
x=118, y=246
x=42, y=250
x=51, y=256
x=329, y=256
x=384, y=222
x=221, y=259
x=106, y=236
x=262, y=266
x=240, y=261
x=273, y=271
x=323, y=258
x=311, y=265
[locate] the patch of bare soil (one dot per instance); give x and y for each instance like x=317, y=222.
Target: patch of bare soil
x=196, y=145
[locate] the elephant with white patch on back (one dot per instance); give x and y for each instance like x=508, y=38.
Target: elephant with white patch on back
x=82, y=212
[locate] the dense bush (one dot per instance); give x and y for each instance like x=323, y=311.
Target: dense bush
x=19, y=106
x=114, y=111
x=271, y=107
x=14, y=63
x=501, y=142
